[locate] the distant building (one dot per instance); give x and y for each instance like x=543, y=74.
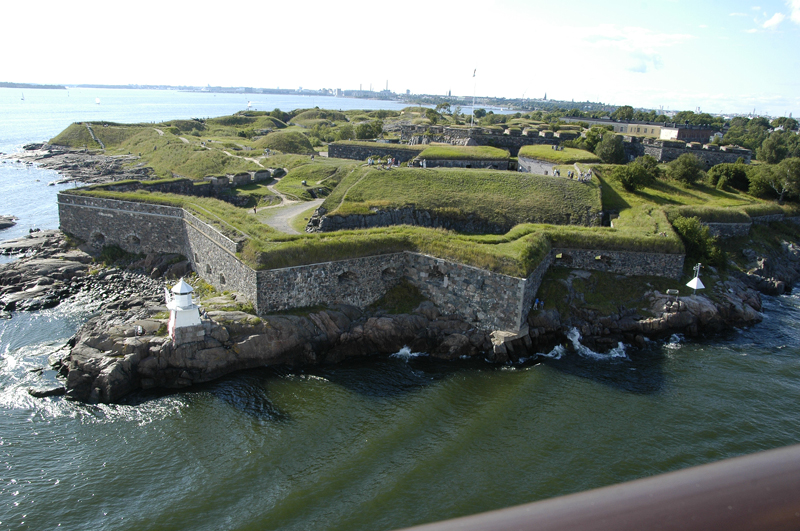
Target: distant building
x=632, y=128
x=686, y=132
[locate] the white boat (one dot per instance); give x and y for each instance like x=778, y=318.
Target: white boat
x=23, y=96
x=97, y=101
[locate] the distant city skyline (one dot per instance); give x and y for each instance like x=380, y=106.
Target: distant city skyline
x=721, y=56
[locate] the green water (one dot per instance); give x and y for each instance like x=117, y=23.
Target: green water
x=390, y=442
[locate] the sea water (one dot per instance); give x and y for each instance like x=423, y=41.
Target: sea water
x=377, y=443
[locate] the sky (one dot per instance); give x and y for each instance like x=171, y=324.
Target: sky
x=720, y=56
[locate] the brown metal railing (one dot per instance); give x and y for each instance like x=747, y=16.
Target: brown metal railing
x=754, y=492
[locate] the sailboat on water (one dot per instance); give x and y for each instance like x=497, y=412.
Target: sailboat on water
x=97, y=101
x=23, y=96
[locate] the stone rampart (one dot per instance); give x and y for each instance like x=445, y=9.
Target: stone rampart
x=667, y=151
x=623, y=262
x=480, y=164
x=532, y=284
x=135, y=227
x=492, y=301
x=215, y=260
x=475, y=136
x=360, y=282
x=211, y=233
x=728, y=230
x=763, y=220
x=410, y=216
x=360, y=152
x=148, y=228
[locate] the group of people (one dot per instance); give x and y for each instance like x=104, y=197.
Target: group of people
x=390, y=162
x=584, y=177
x=557, y=148
x=538, y=304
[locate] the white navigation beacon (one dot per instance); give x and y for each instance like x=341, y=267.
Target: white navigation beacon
x=183, y=311
x=696, y=283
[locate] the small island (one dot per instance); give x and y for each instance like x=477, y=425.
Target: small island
x=317, y=235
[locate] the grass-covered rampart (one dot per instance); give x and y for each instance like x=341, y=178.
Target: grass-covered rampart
x=565, y=156
x=401, y=147
x=498, y=197
x=541, y=210
x=442, y=152
x=515, y=253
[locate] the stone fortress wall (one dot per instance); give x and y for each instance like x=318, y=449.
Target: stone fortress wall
x=513, y=139
x=735, y=230
x=493, y=301
x=360, y=152
x=669, y=150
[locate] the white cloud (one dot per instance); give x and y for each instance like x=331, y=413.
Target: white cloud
x=703, y=26
x=636, y=49
x=738, y=15
x=754, y=30
x=773, y=23
x=794, y=10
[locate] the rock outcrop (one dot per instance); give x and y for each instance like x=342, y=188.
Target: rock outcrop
x=50, y=272
x=115, y=354
x=7, y=221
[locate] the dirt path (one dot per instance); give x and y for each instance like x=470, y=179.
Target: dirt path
x=280, y=216
x=159, y=131
x=240, y=157
x=284, y=200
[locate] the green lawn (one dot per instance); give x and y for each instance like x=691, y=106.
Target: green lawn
x=498, y=197
x=701, y=200
x=442, y=152
x=567, y=156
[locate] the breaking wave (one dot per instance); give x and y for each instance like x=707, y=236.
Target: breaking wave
x=406, y=354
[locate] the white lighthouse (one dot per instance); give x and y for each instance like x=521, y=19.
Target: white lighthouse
x=184, y=315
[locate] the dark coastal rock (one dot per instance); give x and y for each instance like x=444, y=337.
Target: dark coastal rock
x=7, y=221
x=107, y=362
x=49, y=241
x=44, y=393
x=49, y=273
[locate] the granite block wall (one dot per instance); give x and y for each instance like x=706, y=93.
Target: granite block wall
x=483, y=164
x=622, y=262
x=135, y=227
x=763, y=220
x=359, y=282
x=211, y=233
x=410, y=216
x=728, y=230
x=532, y=284
x=491, y=300
x=356, y=152
x=213, y=257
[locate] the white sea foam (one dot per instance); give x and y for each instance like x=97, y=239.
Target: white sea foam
x=674, y=342
x=575, y=337
x=557, y=353
x=406, y=354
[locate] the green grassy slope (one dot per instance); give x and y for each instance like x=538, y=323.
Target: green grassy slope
x=503, y=198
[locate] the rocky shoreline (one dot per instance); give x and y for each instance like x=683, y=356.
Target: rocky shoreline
x=125, y=348
x=80, y=165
